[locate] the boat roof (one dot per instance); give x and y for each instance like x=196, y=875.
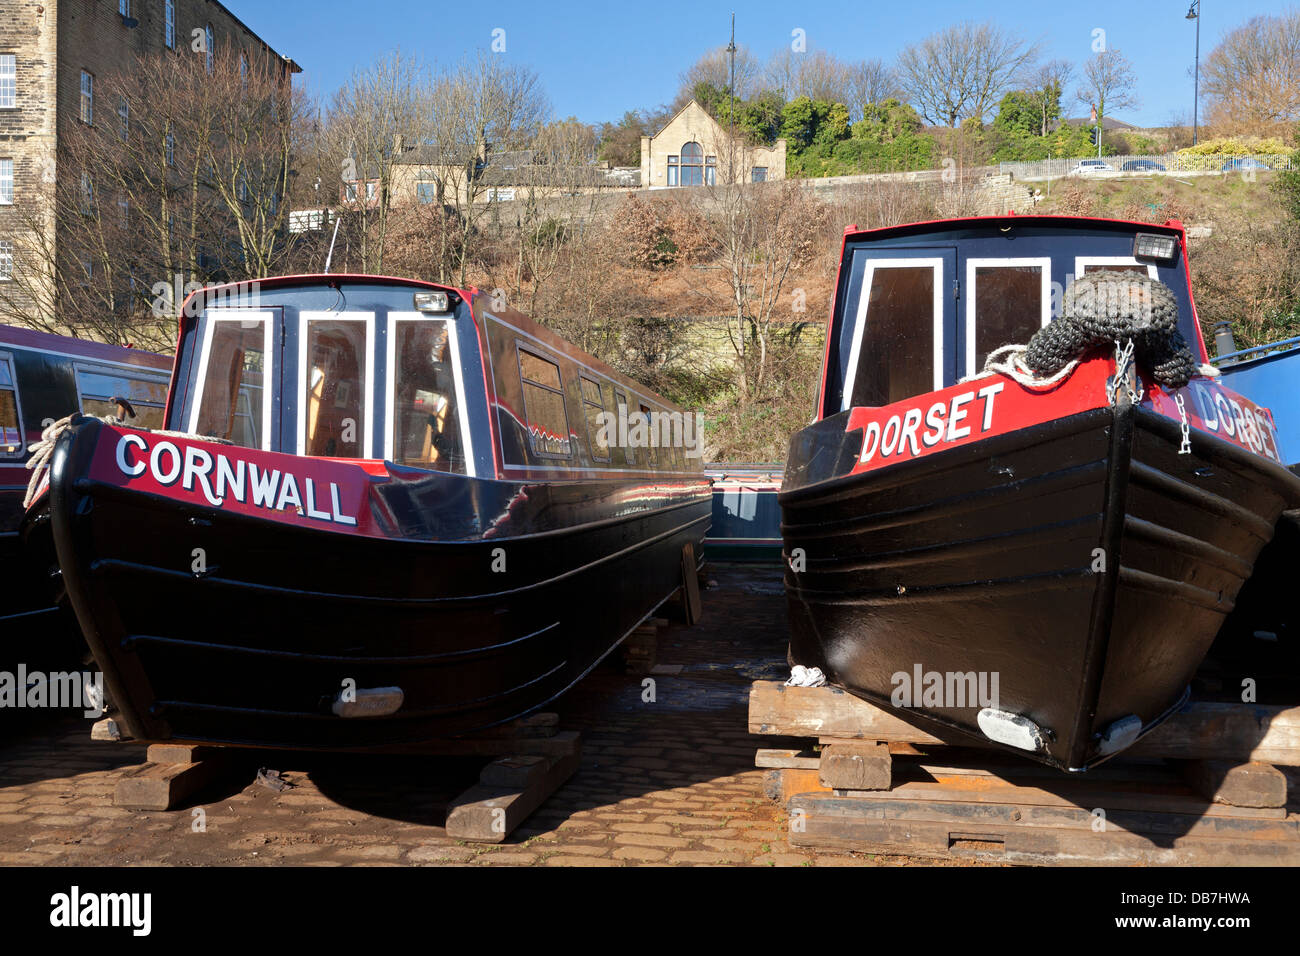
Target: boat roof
x=16, y=337
x=1174, y=226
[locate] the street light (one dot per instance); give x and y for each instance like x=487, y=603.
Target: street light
x=1194, y=13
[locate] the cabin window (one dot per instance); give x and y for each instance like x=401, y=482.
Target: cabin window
x=232, y=374
x=11, y=429
x=98, y=387
x=547, y=419
x=621, y=409
x=1086, y=264
x=335, y=359
x=897, y=331
x=427, y=419
x=593, y=406
x=1007, y=301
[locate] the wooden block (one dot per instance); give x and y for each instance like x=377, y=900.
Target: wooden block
x=787, y=759
x=106, y=729
x=781, y=785
x=1237, y=785
x=1201, y=730
x=163, y=786
x=518, y=772
x=181, y=753
x=856, y=766
x=488, y=814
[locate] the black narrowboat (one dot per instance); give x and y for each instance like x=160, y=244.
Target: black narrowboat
x=43, y=379
x=1039, y=555
x=397, y=513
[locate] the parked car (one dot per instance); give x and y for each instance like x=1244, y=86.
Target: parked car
x=1086, y=166
x=1142, y=166
x=1244, y=162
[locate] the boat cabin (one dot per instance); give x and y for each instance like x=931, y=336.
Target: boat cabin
x=44, y=378
x=415, y=374
x=920, y=307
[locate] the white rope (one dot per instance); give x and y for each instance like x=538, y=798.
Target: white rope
x=801, y=676
x=1014, y=368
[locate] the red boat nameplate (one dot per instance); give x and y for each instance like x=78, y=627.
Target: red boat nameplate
x=295, y=490
x=1220, y=411
x=970, y=412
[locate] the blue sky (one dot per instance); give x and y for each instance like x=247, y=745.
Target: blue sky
x=598, y=60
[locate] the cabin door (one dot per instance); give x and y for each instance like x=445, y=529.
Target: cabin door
x=900, y=332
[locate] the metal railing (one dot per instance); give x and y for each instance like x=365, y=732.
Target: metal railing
x=1172, y=163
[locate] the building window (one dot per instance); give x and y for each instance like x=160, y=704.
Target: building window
x=243, y=70
x=169, y=149
x=692, y=165
x=673, y=171
x=124, y=213
x=209, y=46
x=710, y=170
x=87, y=194
x=169, y=23
x=124, y=8
x=8, y=81
x=6, y=260
x=350, y=192
x=371, y=190
x=758, y=174
x=124, y=114
x=87, y=98
x=426, y=193
x=6, y=182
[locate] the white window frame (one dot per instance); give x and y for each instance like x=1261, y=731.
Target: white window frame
x=210, y=319
x=390, y=386
x=9, y=80
x=1082, y=262
x=859, y=325
x=304, y=321
x=7, y=359
x=169, y=24
x=6, y=181
x=1043, y=263
x=210, y=44
x=7, y=252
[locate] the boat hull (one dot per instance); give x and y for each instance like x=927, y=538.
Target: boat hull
x=254, y=643
x=1077, y=571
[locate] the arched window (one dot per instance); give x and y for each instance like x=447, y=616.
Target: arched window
x=692, y=165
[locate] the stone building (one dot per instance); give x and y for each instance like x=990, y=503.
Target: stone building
x=694, y=149
x=51, y=52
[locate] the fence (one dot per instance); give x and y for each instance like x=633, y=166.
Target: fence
x=1172, y=163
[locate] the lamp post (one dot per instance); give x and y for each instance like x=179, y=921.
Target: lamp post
x=1194, y=13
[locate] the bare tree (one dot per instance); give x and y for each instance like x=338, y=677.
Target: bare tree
x=1046, y=86
x=1108, y=83
x=962, y=71
x=373, y=116
x=869, y=81
x=714, y=68
x=817, y=75
x=1252, y=78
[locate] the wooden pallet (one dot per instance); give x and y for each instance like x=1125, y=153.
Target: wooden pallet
x=1201, y=790
x=534, y=758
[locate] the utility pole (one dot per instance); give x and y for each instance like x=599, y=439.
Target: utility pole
x=1194, y=13
x=731, y=113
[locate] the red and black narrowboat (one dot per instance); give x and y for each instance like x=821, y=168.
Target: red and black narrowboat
x=410, y=515
x=43, y=379
x=1038, y=554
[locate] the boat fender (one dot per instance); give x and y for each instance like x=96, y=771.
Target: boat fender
x=1013, y=730
x=1119, y=734
x=368, y=702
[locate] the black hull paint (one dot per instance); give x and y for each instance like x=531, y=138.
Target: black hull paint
x=986, y=559
x=253, y=651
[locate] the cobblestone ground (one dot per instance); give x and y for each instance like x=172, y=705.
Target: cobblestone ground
x=668, y=782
